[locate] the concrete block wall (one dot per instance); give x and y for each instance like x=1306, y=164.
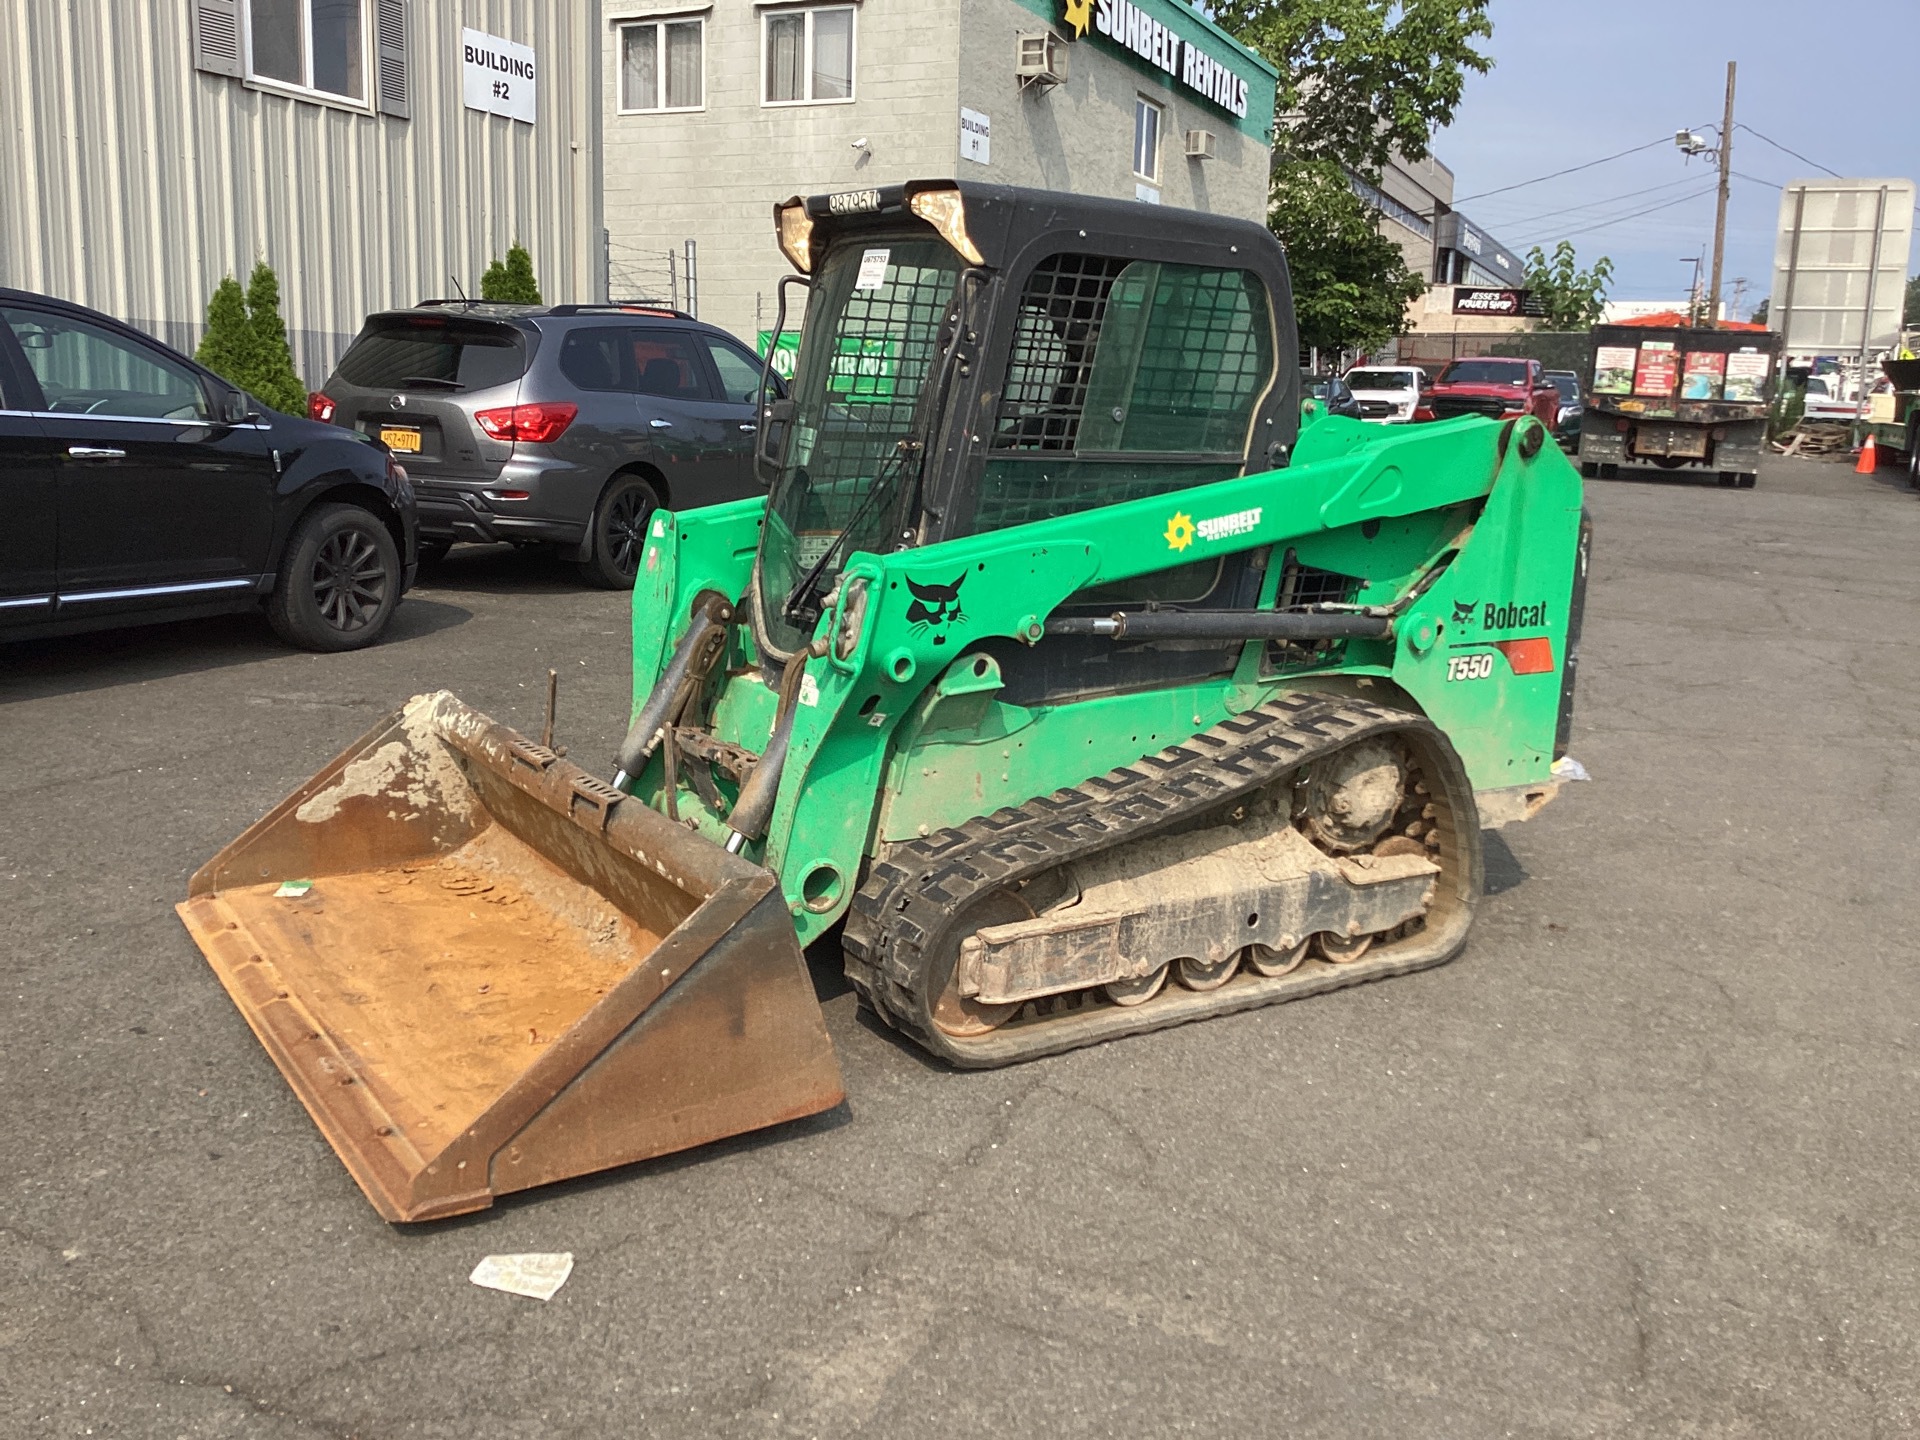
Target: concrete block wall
x=1079, y=136
x=715, y=175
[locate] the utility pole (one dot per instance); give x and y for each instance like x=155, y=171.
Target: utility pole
x=1693, y=290
x=1720, y=211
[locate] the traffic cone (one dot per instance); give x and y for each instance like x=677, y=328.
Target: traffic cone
x=1869, y=458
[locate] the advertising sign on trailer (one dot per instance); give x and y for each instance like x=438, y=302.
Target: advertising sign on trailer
x=1613, y=369
x=1658, y=368
x=1704, y=372
x=1747, y=376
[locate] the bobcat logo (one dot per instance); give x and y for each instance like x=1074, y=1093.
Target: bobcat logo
x=935, y=605
x=1079, y=15
x=1463, y=611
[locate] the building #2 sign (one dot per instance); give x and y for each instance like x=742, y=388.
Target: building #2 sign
x=497, y=75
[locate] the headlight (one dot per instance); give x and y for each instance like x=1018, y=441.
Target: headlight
x=947, y=213
x=795, y=229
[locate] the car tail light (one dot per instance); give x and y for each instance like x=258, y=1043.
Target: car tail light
x=535, y=424
x=320, y=407
x=1623, y=426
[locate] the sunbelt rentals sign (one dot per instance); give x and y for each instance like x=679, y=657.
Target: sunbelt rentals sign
x=1187, y=63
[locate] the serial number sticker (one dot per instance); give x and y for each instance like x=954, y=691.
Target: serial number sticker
x=873, y=270
x=853, y=202
x=1470, y=667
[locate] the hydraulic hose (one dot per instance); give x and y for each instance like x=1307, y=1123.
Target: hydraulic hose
x=712, y=612
x=751, y=812
x=1225, y=625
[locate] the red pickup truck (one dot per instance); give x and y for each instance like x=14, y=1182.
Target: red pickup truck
x=1495, y=386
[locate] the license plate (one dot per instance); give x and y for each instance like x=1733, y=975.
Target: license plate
x=397, y=439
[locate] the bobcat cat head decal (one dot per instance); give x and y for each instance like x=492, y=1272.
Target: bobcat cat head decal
x=1463, y=611
x=935, y=605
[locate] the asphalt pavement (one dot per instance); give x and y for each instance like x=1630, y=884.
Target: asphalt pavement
x=1640, y=1162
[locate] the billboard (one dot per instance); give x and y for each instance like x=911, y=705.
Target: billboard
x=1841, y=253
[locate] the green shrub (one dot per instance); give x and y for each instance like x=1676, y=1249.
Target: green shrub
x=246, y=341
x=511, y=280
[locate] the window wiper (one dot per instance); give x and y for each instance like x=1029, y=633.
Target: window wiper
x=798, y=608
x=433, y=380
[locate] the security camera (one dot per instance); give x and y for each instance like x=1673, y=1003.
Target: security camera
x=860, y=144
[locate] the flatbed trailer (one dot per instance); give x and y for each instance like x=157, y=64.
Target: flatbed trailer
x=1678, y=398
x=1894, y=419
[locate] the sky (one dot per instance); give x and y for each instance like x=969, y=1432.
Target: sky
x=1574, y=82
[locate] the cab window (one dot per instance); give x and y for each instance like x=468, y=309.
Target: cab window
x=1126, y=379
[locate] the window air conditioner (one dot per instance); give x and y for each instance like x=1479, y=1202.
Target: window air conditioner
x=1202, y=144
x=1040, y=60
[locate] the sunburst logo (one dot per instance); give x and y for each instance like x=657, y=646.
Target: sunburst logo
x=1180, y=531
x=1079, y=16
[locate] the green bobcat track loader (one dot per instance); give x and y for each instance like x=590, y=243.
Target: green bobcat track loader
x=1081, y=689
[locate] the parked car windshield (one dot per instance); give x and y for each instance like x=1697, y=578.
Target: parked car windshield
x=1380, y=379
x=1485, y=372
x=436, y=351
x=1567, y=385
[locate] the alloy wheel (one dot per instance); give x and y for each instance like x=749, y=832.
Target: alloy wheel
x=626, y=524
x=349, y=582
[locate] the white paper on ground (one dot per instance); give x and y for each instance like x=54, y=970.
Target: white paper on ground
x=536, y=1276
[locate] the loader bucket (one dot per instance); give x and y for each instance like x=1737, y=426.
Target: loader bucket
x=503, y=973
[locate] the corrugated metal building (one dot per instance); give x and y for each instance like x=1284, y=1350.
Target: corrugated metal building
x=150, y=147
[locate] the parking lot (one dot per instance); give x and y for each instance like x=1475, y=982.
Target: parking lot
x=1640, y=1162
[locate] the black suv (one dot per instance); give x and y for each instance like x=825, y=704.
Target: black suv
x=137, y=486
x=563, y=425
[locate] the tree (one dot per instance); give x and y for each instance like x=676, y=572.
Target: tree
x=246, y=341
x=1574, y=299
x=1759, y=315
x=1912, y=314
x=512, y=279
x=274, y=379
x=1362, y=79
x=227, y=347
x=1351, y=284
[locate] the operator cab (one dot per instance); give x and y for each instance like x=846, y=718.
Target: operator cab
x=977, y=357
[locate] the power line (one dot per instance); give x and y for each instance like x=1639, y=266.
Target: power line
x=1570, y=170
x=1596, y=204
x=1620, y=219
x=1784, y=150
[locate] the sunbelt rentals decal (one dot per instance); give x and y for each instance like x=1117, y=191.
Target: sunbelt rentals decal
x=1182, y=528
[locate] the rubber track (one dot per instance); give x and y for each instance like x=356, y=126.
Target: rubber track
x=914, y=890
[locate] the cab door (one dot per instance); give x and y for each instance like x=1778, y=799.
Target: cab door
x=159, y=500
x=28, y=575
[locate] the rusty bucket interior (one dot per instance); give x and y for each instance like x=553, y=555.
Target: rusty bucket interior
x=501, y=974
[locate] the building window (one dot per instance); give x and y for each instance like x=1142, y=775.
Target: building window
x=316, y=45
x=1146, y=139
x=663, y=65
x=809, y=56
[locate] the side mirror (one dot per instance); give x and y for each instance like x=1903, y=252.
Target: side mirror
x=237, y=407
x=770, y=445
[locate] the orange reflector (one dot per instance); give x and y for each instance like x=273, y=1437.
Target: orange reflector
x=1532, y=656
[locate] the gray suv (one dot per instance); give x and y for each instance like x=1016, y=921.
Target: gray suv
x=562, y=425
